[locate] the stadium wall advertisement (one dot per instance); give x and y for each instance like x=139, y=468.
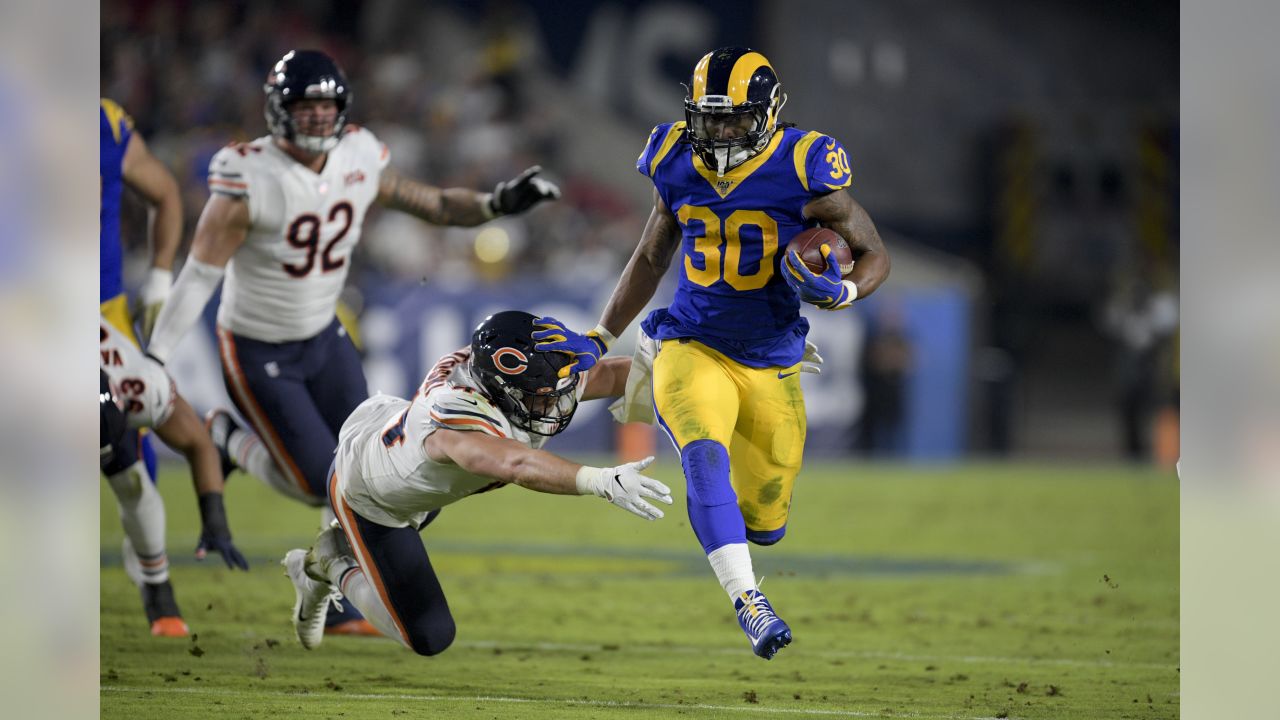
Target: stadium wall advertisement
x=405, y=327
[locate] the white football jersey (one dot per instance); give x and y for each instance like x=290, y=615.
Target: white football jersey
x=145, y=390
x=283, y=283
x=383, y=469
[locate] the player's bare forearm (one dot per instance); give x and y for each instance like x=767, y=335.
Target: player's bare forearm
x=166, y=232
x=841, y=213
x=186, y=434
x=149, y=177
x=504, y=460
x=607, y=378
x=221, y=230
x=644, y=270
x=439, y=206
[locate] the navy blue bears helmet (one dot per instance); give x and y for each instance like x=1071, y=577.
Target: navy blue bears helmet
x=305, y=75
x=522, y=382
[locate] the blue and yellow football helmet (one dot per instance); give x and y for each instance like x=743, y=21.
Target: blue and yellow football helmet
x=732, y=107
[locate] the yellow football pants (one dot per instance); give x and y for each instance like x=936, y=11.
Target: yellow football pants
x=757, y=414
x=116, y=311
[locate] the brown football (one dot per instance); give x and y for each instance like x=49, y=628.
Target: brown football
x=809, y=244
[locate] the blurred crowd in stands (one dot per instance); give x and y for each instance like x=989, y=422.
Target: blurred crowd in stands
x=463, y=94
x=455, y=100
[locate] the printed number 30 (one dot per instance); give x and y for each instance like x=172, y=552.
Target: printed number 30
x=708, y=245
x=839, y=163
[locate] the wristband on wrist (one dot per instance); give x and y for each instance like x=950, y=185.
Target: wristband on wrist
x=156, y=286
x=605, y=336
x=586, y=479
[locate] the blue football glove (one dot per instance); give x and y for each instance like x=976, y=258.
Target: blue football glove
x=223, y=546
x=827, y=290
x=586, y=350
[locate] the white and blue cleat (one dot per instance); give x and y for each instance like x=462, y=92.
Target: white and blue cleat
x=766, y=631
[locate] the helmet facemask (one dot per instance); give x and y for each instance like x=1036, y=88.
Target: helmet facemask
x=282, y=124
x=522, y=381
x=545, y=411
x=756, y=122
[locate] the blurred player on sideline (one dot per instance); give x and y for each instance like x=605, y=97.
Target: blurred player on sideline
x=283, y=218
x=124, y=160
x=136, y=392
x=475, y=424
x=732, y=186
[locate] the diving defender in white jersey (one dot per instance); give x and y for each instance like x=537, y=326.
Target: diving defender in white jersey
x=476, y=424
x=283, y=217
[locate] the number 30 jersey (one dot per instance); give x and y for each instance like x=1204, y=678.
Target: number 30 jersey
x=736, y=228
x=283, y=283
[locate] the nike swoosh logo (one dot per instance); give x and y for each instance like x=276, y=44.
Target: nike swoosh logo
x=473, y=402
x=618, y=479
x=782, y=375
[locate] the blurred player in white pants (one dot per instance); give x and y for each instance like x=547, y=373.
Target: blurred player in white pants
x=475, y=424
x=284, y=215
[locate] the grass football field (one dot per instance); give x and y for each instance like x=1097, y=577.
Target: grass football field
x=983, y=591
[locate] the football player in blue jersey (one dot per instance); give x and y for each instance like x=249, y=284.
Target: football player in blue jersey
x=732, y=186
x=124, y=160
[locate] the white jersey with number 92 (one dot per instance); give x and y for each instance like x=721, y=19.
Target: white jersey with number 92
x=283, y=283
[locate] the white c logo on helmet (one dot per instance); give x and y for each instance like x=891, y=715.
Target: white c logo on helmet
x=518, y=365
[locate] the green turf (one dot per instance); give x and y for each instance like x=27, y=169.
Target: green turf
x=982, y=592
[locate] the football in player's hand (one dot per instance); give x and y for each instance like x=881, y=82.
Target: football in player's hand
x=809, y=244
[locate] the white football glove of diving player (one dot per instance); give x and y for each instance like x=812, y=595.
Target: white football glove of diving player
x=625, y=487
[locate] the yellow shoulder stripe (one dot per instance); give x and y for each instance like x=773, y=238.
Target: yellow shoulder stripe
x=116, y=116
x=668, y=142
x=801, y=153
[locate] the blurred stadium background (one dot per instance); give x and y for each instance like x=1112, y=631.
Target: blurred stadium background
x=1020, y=160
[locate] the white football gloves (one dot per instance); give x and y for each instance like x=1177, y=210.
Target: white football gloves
x=155, y=290
x=812, y=361
x=625, y=487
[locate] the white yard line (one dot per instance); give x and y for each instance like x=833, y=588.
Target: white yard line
x=217, y=692
x=866, y=654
